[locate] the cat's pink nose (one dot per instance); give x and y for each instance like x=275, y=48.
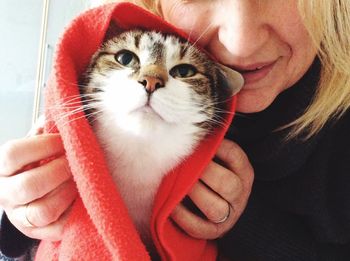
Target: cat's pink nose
x=151, y=83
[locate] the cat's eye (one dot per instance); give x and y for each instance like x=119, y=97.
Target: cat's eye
x=183, y=71
x=127, y=58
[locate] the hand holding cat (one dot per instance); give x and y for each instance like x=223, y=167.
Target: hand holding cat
x=36, y=200
x=221, y=194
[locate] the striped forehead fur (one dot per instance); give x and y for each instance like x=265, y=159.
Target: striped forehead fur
x=160, y=47
x=165, y=50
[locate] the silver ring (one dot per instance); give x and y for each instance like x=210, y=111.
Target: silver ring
x=225, y=217
x=27, y=223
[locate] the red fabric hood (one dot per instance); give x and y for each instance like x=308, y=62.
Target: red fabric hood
x=99, y=227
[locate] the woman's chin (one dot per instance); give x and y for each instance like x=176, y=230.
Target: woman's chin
x=251, y=101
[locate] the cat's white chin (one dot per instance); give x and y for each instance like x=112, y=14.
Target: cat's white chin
x=143, y=123
x=148, y=113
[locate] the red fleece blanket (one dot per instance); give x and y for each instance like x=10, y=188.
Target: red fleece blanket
x=99, y=227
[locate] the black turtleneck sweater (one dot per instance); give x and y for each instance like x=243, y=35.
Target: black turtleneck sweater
x=299, y=208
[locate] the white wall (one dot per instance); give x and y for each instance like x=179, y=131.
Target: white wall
x=19, y=32
x=20, y=22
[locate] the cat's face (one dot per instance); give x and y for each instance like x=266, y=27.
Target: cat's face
x=143, y=80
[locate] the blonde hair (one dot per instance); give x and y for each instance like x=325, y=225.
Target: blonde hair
x=328, y=23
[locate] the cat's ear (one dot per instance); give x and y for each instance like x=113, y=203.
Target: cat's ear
x=230, y=79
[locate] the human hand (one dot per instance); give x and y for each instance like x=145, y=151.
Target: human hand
x=36, y=198
x=221, y=194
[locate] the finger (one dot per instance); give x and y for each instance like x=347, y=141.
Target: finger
x=214, y=207
x=194, y=225
x=34, y=183
x=14, y=155
x=44, y=211
x=49, y=208
x=237, y=161
x=222, y=181
x=51, y=232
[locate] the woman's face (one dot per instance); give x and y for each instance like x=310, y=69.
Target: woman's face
x=265, y=40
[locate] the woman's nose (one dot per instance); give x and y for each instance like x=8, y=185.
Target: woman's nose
x=242, y=28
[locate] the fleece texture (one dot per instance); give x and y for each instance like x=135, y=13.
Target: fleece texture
x=99, y=227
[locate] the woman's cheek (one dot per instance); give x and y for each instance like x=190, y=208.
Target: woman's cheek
x=189, y=18
x=177, y=15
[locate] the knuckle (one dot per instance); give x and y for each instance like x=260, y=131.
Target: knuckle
x=175, y=212
x=250, y=178
x=25, y=230
x=233, y=153
x=24, y=188
x=43, y=214
x=57, y=236
x=12, y=196
x=221, y=230
x=5, y=196
x=218, y=231
x=5, y=203
x=16, y=216
x=216, y=211
x=20, y=190
x=31, y=233
x=60, y=165
x=34, y=185
x=65, y=166
x=8, y=156
x=230, y=186
x=247, y=181
x=214, y=231
x=195, y=231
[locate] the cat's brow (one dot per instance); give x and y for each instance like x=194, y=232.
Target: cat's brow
x=137, y=40
x=103, y=53
x=158, y=52
x=183, y=51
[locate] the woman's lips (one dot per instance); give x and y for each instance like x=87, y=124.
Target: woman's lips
x=256, y=72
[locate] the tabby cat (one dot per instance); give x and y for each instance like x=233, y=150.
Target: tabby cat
x=151, y=98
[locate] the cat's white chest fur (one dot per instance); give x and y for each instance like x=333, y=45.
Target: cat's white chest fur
x=139, y=161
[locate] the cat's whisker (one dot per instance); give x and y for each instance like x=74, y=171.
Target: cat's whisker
x=188, y=106
x=78, y=109
x=92, y=114
x=225, y=111
x=190, y=33
x=73, y=83
x=220, y=102
x=173, y=101
x=72, y=101
x=174, y=106
x=74, y=119
x=64, y=117
x=179, y=102
x=80, y=96
x=201, y=35
x=87, y=116
x=74, y=104
x=72, y=107
x=94, y=118
x=216, y=122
